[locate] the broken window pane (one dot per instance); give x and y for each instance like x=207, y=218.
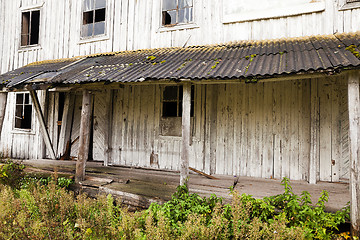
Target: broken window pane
x=185, y=3
x=169, y=5
x=177, y=11
x=172, y=17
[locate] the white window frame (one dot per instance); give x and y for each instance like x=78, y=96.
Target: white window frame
x=16, y=130
x=98, y=37
x=178, y=26
x=177, y=118
x=37, y=7
x=344, y=5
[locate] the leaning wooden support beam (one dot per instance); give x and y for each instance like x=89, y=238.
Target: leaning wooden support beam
x=84, y=139
x=354, y=132
x=3, y=100
x=185, y=147
x=40, y=116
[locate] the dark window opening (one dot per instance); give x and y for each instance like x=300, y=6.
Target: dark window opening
x=172, y=101
x=177, y=11
x=351, y=1
x=30, y=26
x=94, y=15
x=23, y=111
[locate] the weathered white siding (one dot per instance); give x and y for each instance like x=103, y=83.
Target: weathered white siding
x=260, y=130
x=137, y=25
x=17, y=143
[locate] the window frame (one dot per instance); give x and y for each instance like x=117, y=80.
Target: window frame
x=177, y=25
x=30, y=9
x=345, y=5
x=93, y=37
x=176, y=119
x=19, y=129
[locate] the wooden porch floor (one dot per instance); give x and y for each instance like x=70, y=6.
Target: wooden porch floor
x=140, y=187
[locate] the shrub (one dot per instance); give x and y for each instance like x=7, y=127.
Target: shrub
x=11, y=173
x=46, y=211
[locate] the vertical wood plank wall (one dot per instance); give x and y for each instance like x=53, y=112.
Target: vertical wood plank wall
x=259, y=130
x=136, y=25
x=17, y=143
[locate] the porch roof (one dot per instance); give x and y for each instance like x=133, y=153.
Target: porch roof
x=249, y=60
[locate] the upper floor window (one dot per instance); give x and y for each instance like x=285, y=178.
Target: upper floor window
x=177, y=11
x=23, y=111
x=30, y=26
x=94, y=12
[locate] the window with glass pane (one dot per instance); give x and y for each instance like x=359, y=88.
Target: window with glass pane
x=23, y=111
x=94, y=12
x=30, y=27
x=177, y=11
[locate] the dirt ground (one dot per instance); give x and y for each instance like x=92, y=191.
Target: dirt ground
x=139, y=187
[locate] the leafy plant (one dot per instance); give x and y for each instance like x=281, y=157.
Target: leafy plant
x=11, y=173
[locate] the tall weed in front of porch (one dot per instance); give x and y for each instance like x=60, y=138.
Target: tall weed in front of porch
x=43, y=210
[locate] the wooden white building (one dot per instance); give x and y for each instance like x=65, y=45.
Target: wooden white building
x=251, y=88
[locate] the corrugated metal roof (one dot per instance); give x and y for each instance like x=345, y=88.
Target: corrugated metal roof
x=237, y=60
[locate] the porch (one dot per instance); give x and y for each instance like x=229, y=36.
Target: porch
x=138, y=187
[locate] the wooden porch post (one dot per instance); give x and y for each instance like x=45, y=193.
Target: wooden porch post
x=84, y=139
x=40, y=116
x=3, y=100
x=354, y=132
x=185, y=147
x=108, y=130
x=314, y=134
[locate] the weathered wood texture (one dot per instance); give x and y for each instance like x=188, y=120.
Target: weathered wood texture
x=260, y=130
x=17, y=143
x=3, y=101
x=354, y=124
x=84, y=139
x=137, y=25
x=185, y=134
x=41, y=120
x=66, y=124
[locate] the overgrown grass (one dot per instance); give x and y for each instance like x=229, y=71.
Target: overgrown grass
x=44, y=210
